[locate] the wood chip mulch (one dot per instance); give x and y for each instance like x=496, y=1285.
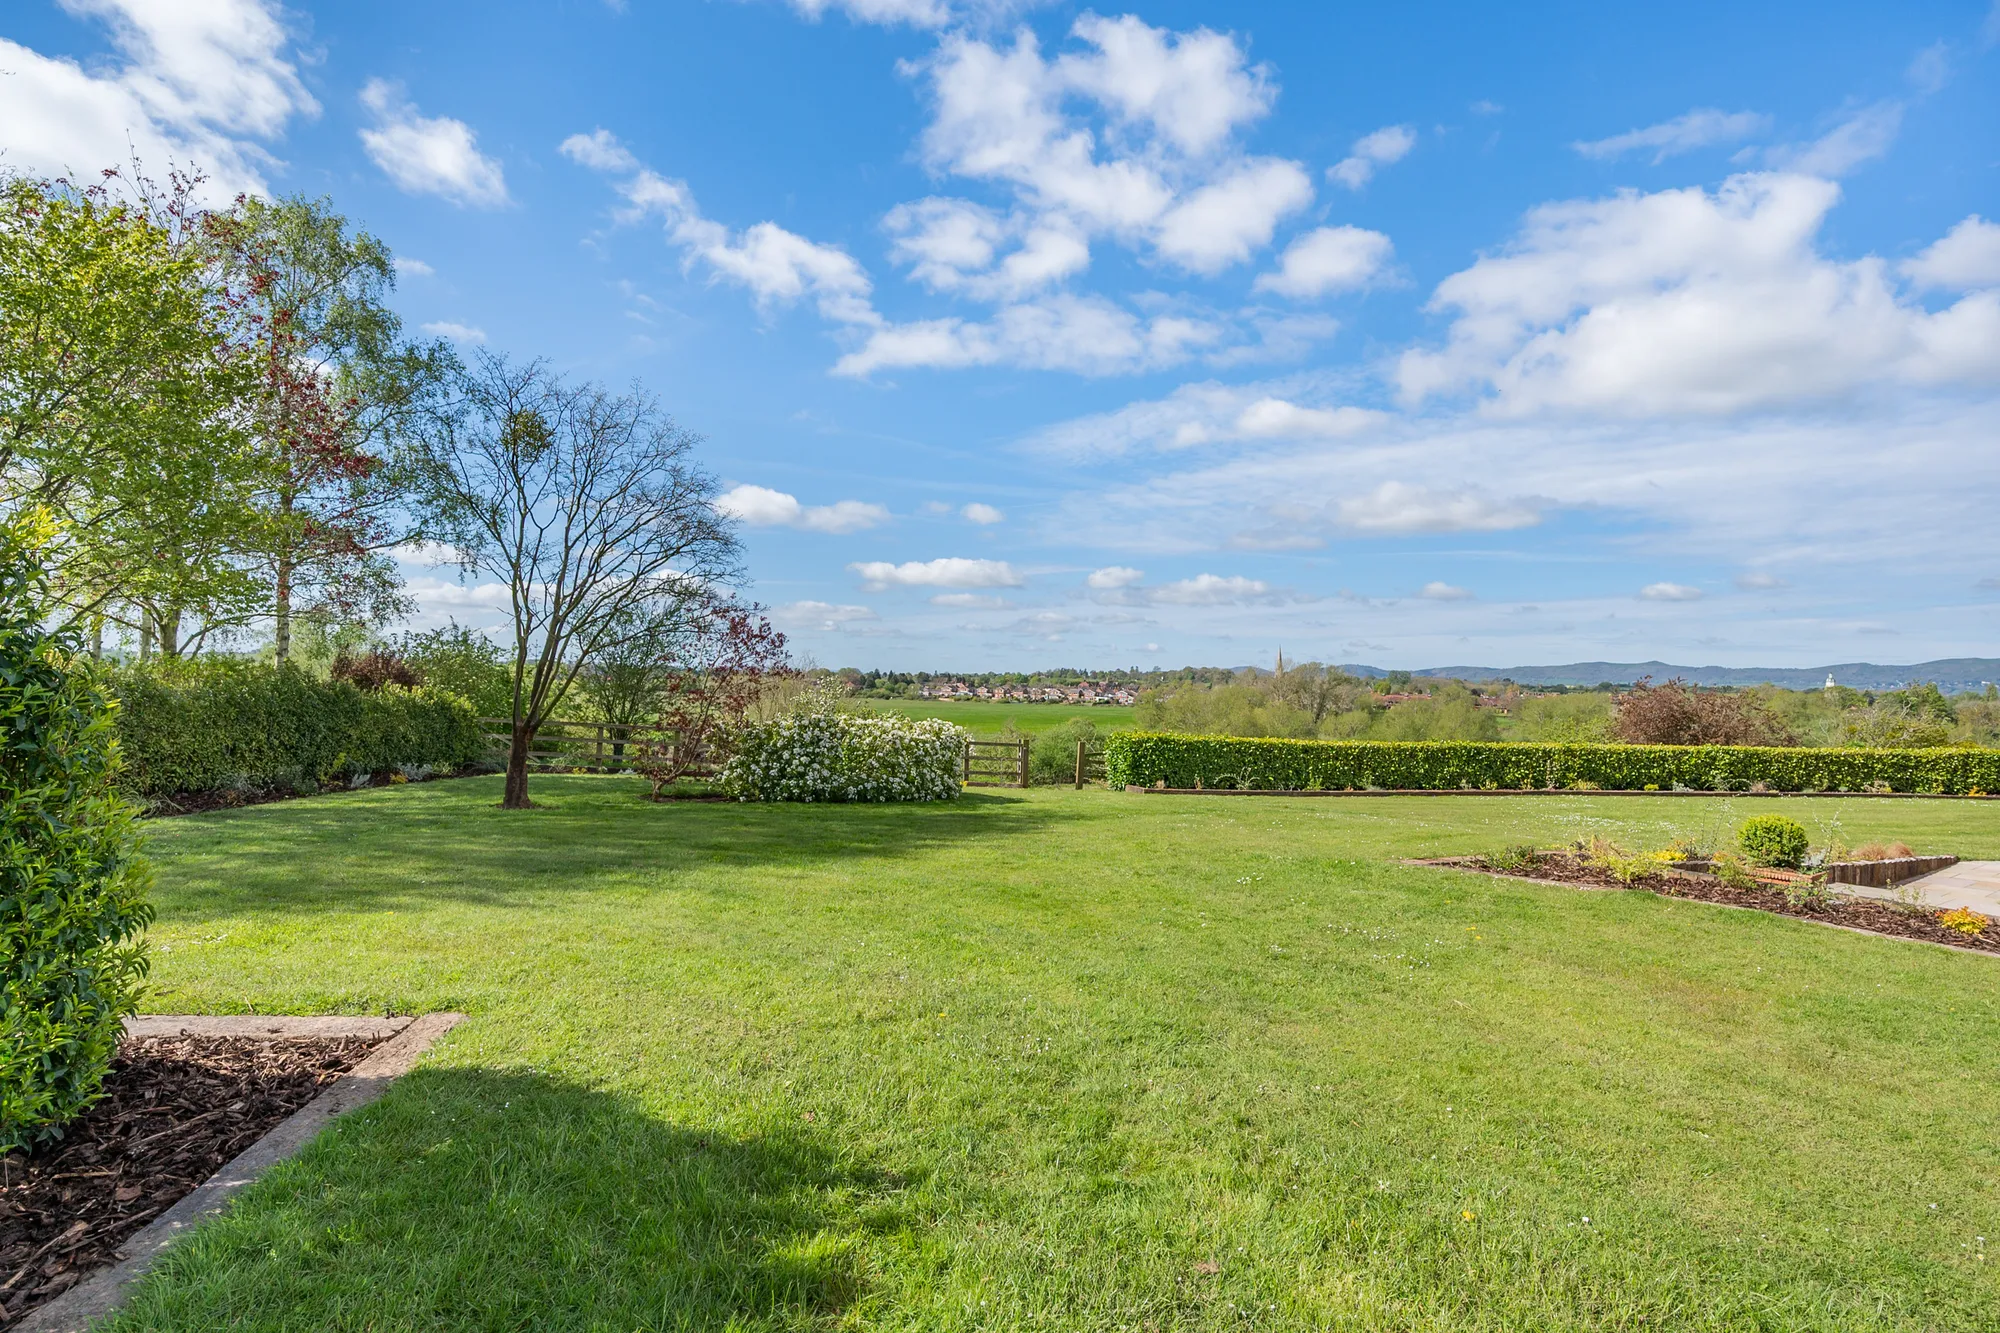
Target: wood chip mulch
x=1875, y=915
x=175, y=1111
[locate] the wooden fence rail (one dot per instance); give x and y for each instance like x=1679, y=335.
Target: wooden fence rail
x=601, y=746
x=989, y=760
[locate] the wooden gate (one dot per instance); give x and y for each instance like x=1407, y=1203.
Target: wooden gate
x=1089, y=763
x=996, y=763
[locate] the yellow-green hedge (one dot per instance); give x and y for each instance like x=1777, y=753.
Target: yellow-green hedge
x=1143, y=759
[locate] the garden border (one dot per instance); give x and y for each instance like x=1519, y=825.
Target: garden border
x=407, y=1039
x=1555, y=791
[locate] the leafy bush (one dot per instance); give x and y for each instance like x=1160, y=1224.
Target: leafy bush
x=1773, y=840
x=1964, y=920
x=1677, y=713
x=217, y=725
x=1052, y=755
x=1146, y=759
x=73, y=899
x=456, y=660
x=822, y=754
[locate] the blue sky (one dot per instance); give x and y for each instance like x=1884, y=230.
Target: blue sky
x=1038, y=334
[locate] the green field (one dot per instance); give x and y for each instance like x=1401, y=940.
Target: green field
x=987, y=719
x=1081, y=1061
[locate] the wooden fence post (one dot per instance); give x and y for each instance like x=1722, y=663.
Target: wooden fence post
x=965, y=757
x=1024, y=763
x=1082, y=749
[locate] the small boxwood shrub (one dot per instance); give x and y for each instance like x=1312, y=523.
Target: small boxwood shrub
x=72, y=889
x=1773, y=840
x=217, y=725
x=819, y=754
x=1146, y=759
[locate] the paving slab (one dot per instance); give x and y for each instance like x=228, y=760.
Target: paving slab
x=1974, y=884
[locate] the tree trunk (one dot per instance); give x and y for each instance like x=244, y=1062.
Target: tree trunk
x=170, y=634
x=281, y=635
x=516, y=797
x=145, y=635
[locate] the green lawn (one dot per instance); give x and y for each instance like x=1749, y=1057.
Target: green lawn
x=1081, y=1060
x=986, y=719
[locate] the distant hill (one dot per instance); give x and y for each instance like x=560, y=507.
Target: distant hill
x=1954, y=675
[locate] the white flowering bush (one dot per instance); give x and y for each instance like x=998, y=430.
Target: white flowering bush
x=817, y=754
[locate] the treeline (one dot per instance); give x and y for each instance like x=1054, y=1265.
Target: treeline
x=1316, y=701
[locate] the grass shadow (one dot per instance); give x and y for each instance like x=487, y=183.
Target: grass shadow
x=474, y=1198
x=450, y=842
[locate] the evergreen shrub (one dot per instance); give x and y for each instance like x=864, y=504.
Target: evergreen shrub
x=72, y=886
x=820, y=754
x=216, y=725
x=1146, y=759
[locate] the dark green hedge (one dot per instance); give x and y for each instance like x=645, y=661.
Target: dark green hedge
x=1147, y=759
x=238, y=725
x=72, y=886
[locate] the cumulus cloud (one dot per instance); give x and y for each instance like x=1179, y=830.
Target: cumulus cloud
x=1683, y=134
x=1328, y=259
x=1966, y=256
x=946, y=572
x=412, y=268
x=1084, y=334
x=452, y=329
x=1114, y=576
x=916, y=13
x=599, y=150
x=954, y=245
x=1669, y=592
x=1443, y=592
x=970, y=601
x=762, y=507
x=1225, y=223
x=428, y=154
x=1386, y=146
x=1690, y=301
x=1398, y=507
x=203, y=82
x=1210, y=590
x=983, y=514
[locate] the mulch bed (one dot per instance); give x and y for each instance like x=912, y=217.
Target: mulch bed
x=175, y=1111
x=1874, y=915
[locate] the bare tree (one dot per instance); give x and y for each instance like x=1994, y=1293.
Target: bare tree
x=587, y=504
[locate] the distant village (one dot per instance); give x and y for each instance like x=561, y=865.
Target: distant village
x=1082, y=692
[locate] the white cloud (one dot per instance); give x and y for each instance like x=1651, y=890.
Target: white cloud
x=1687, y=301
x=970, y=601
x=946, y=572
x=777, y=266
x=1759, y=581
x=599, y=150
x=983, y=514
x=1388, y=145
x=1210, y=590
x=1191, y=89
x=1084, y=334
x=1669, y=592
x=762, y=507
x=916, y=13
x=1683, y=134
x=1225, y=223
x=826, y=616
x=1328, y=259
x=954, y=245
x=1199, y=414
x=1443, y=592
x=412, y=268
x=1862, y=137
x=428, y=154
x=464, y=333
x=1114, y=576
x=1398, y=507
x=1966, y=256
x=202, y=83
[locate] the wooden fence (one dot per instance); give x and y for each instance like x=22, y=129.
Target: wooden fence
x=603, y=747
x=996, y=764
x=1089, y=763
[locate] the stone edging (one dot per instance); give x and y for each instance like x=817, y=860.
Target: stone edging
x=408, y=1039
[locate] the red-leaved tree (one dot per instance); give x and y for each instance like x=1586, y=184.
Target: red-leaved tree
x=1676, y=713
x=721, y=665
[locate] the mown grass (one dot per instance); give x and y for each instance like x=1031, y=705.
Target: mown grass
x=1059, y=1060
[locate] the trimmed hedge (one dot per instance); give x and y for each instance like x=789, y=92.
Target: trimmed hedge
x=72, y=885
x=260, y=728
x=1143, y=759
